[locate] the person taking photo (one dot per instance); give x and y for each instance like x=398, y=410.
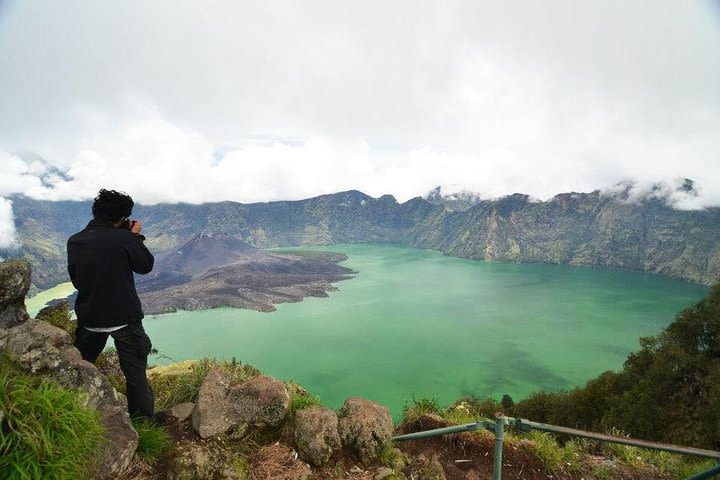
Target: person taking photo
x=102, y=259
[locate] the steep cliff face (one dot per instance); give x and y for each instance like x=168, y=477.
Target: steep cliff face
x=584, y=229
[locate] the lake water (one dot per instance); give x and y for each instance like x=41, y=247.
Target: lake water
x=416, y=322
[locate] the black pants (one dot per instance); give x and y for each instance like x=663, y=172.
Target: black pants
x=133, y=346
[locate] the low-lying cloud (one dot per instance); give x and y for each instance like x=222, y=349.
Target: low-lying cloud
x=8, y=240
x=157, y=161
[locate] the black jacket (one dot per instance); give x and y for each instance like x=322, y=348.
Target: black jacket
x=101, y=262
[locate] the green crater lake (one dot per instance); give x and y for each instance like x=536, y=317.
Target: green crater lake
x=416, y=322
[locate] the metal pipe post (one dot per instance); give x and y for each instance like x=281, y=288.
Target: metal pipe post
x=499, y=437
x=706, y=474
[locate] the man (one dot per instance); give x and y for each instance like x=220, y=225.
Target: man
x=101, y=262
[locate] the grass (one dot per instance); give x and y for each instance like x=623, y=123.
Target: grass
x=153, y=442
x=554, y=457
x=299, y=401
x=45, y=432
x=419, y=407
x=173, y=388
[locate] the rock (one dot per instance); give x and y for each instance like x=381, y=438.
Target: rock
x=394, y=458
x=365, y=426
x=40, y=348
x=182, y=411
x=206, y=460
x=385, y=473
x=123, y=441
x=425, y=469
x=211, y=415
x=261, y=401
x=316, y=434
x=14, y=285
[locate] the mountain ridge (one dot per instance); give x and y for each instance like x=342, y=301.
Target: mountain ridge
x=579, y=229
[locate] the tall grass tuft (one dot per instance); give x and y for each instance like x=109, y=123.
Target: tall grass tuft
x=154, y=440
x=419, y=407
x=45, y=432
x=555, y=457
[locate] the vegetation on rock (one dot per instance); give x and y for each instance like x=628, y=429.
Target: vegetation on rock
x=45, y=431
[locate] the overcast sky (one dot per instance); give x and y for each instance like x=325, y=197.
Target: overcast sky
x=257, y=101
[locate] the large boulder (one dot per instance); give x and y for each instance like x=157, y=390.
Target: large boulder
x=364, y=426
x=222, y=405
x=212, y=414
x=261, y=401
x=40, y=348
x=316, y=434
x=14, y=285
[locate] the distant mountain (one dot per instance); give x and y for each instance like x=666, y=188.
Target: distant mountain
x=587, y=229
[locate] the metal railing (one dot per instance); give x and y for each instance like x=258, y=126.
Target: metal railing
x=498, y=428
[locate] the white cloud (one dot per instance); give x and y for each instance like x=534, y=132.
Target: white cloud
x=312, y=98
x=7, y=225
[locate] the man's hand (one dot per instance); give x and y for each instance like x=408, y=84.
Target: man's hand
x=136, y=227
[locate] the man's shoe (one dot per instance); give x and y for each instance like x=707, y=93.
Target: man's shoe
x=158, y=418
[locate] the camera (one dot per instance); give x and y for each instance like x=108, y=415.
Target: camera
x=127, y=224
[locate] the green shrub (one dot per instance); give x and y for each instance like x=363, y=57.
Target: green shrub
x=419, y=407
x=478, y=407
x=59, y=315
x=153, y=442
x=45, y=432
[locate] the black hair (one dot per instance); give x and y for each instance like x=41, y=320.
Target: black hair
x=112, y=206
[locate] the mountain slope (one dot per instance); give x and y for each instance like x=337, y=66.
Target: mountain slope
x=585, y=229
x=214, y=270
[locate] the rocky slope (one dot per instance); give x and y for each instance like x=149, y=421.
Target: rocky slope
x=582, y=230
x=220, y=270
x=588, y=229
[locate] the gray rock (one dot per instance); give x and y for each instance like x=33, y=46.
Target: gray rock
x=261, y=401
x=365, y=426
x=182, y=411
x=14, y=285
x=425, y=469
x=212, y=415
x=316, y=434
x=123, y=441
x=395, y=459
x=40, y=348
x=385, y=473
x=206, y=460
